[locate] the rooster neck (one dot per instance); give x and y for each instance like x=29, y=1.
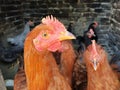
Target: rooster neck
x=103, y=78
x=38, y=68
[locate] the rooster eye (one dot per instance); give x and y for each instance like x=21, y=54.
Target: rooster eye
x=45, y=35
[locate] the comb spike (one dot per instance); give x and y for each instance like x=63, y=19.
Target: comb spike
x=48, y=17
x=54, y=22
x=52, y=19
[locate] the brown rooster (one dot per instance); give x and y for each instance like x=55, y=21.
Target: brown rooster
x=79, y=72
x=42, y=72
x=68, y=57
x=20, y=78
x=99, y=72
x=65, y=65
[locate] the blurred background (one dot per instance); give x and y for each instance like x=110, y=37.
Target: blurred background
x=18, y=17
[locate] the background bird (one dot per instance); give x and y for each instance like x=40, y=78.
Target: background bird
x=99, y=73
x=19, y=39
x=10, y=53
x=90, y=34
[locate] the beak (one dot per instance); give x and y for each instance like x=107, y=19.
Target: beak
x=95, y=64
x=66, y=35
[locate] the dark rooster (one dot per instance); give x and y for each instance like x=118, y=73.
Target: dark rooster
x=99, y=73
x=42, y=72
x=90, y=34
x=85, y=40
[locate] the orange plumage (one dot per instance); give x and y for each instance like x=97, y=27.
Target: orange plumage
x=68, y=58
x=42, y=72
x=100, y=74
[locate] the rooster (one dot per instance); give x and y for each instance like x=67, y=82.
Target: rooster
x=42, y=72
x=67, y=60
x=65, y=65
x=99, y=73
x=90, y=34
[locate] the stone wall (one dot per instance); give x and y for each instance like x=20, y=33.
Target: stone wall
x=115, y=20
x=13, y=14
x=11, y=19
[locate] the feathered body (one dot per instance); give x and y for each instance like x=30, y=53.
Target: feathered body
x=79, y=72
x=20, y=80
x=67, y=61
x=42, y=72
x=20, y=77
x=99, y=72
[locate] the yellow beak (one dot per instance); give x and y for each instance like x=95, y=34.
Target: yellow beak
x=95, y=64
x=66, y=35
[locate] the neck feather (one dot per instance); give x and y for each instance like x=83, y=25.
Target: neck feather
x=38, y=68
x=103, y=78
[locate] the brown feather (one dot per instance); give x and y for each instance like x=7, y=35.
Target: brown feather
x=67, y=61
x=41, y=70
x=103, y=78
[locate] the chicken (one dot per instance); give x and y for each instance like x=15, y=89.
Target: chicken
x=11, y=54
x=92, y=29
x=79, y=72
x=90, y=34
x=99, y=73
x=65, y=65
x=19, y=39
x=20, y=78
x=42, y=72
x=67, y=60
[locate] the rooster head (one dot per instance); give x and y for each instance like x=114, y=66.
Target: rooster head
x=51, y=33
x=95, y=24
x=95, y=52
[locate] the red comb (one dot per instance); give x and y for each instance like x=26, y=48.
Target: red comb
x=96, y=23
x=52, y=21
x=49, y=19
